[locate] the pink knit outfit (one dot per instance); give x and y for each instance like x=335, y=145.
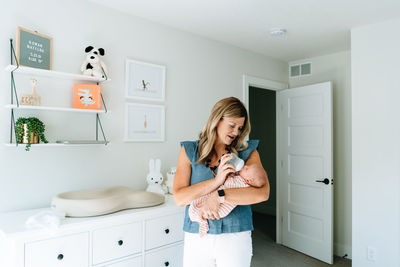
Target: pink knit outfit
x=224, y=208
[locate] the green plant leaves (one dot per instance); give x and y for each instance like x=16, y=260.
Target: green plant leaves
x=34, y=125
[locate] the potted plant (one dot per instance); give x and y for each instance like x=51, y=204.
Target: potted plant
x=30, y=131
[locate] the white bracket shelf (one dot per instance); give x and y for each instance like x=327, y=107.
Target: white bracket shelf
x=17, y=69
x=52, y=73
x=102, y=143
x=56, y=109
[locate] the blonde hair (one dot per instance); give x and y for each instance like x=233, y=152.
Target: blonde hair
x=227, y=108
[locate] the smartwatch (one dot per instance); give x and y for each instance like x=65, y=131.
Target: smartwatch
x=221, y=194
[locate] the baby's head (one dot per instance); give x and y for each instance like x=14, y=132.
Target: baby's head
x=253, y=174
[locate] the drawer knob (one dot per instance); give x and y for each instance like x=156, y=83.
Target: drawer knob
x=60, y=256
x=120, y=242
x=166, y=231
x=166, y=263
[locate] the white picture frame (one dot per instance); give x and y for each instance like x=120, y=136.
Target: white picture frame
x=144, y=81
x=144, y=123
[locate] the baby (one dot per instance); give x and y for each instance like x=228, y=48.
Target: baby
x=249, y=175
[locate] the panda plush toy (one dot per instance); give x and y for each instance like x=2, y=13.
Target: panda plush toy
x=93, y=66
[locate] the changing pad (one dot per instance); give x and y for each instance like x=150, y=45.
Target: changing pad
x=86, y=203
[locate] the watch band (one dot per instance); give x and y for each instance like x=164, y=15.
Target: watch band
x=221, y=195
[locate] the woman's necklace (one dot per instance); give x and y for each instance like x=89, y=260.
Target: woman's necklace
x=213, y=168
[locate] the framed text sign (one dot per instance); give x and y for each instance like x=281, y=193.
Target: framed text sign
x=34, y=49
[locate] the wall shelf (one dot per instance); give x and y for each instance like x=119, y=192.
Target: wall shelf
x=52, y=73
x=15, y=106
x=100, y=143
x=56, y=109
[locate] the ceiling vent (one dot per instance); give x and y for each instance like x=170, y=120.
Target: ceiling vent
x=299, y=70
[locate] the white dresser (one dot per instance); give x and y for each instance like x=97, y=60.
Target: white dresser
x=150, y=237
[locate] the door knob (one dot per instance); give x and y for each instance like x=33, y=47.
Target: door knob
x=325, y=181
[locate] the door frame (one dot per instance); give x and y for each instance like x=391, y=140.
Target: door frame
x=274, y=86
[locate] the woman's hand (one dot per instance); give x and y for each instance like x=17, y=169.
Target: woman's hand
x=224, y=169
x=209, y=209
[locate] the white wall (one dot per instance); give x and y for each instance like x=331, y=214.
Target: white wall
x=199, y=72
x=336, y=68
x=376, y=143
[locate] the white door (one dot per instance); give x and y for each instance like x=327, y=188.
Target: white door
x=306, y=182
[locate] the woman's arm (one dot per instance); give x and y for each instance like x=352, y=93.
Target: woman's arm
x=245, y=195
x=237, y=196
x=249, y=195
x=183, y=192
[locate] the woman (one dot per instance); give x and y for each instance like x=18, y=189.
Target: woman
x=202, y=167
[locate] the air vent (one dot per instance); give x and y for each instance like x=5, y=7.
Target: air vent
x=298, y=70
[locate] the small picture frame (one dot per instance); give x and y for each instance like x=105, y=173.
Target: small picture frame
x=34, y=49
x=144, y=81
x=87, y=96
x=144, y=123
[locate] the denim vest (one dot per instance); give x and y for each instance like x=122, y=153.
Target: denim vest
x=240, y=219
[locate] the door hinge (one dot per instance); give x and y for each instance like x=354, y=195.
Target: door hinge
x=281, y=220
x=281, y=163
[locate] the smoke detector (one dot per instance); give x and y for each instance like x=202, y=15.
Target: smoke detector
x=277, y=32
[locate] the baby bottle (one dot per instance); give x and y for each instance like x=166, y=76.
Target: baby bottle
x=237, y=162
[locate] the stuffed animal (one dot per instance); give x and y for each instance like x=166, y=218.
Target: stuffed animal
x=93, y=66
x=170, y=179
x=155, y=178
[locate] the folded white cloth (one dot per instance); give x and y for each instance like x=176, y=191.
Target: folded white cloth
x=49, y=219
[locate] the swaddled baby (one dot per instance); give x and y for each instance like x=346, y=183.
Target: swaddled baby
x=249, y=175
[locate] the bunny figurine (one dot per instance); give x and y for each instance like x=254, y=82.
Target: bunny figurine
x=155, y=178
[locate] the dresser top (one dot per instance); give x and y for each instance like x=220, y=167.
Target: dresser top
x=12, y=224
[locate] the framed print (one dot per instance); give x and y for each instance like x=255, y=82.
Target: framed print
x=144, y=80
x=87, y=96
x=34, y=49
x=144, y=123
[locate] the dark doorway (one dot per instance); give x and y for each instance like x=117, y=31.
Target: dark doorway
x=262, y=110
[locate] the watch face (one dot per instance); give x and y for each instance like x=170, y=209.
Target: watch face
x=221, y=193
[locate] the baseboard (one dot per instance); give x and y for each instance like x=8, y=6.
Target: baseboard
x=341, y=250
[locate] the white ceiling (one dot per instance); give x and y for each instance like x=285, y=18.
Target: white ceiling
x=314, y=27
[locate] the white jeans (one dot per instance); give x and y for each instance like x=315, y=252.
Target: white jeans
x=223, y=250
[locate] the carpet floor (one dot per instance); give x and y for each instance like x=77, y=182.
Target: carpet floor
x=267, y=253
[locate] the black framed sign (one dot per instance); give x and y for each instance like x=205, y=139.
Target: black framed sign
x=34, y=49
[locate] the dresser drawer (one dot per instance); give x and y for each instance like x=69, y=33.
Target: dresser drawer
x=164, y=230
x=168, y=257
x=67, y=251
x=135, y=262
x=116, y=242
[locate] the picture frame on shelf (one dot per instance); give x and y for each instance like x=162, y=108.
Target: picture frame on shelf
x=87, y=96
x=144, y=81
x=144, y=123
x=34, y=49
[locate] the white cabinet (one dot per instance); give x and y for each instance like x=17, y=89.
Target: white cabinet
x=167, y=257
x=115, y=242
x=65, y=251
x=164, y=230
x=135, y=262
x=147, y=237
